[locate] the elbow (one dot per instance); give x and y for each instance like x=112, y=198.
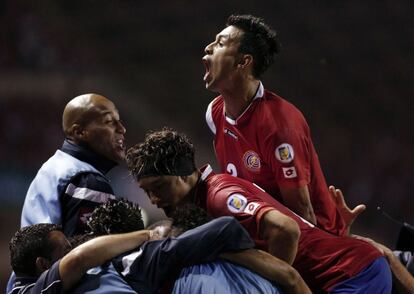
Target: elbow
x=76, y=260
x=290, y=230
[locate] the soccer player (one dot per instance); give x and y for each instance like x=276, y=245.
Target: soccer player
x=158, y=263
x=39, y=259
x=164, y=167
x=259, y=136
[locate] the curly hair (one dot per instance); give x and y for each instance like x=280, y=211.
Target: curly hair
x=258, y=39
x=164, y=152
x=189, y=216
x=28, y=244
x=114, y=217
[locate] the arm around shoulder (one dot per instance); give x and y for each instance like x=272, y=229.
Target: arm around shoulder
x=96, y=252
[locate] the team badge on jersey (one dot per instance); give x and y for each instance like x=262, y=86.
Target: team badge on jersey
x=284, y=153
x=252, y=160
x=289, y=172
x=236, y=203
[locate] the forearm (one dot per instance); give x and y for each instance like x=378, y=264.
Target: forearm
x=404, y=281
x=281, y=234
x=298, y=200
x=283, y=246
x=270, y=268
x=96, y=252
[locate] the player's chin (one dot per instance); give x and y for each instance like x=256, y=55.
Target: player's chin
x=119, y=156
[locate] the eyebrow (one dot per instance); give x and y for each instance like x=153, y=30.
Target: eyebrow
x=220, y=36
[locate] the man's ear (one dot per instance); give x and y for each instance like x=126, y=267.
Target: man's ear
x=78, y=132
x=245, y=61
x=42, y=264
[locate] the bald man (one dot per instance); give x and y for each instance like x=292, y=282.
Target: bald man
x=72, y=182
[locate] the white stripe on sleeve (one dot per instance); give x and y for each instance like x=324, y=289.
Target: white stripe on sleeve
x=88, y=194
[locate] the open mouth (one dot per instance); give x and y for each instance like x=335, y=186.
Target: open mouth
x=120, y=144
x=207, y=69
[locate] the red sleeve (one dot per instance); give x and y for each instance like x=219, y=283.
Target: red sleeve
x=239, y=205
x=288, y=153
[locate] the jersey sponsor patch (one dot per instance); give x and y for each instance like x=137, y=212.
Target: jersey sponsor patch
x=284, y=153
x=236, y=203
x=230, y=133
x=252, y=160
x=251, y=208
x=289, y=172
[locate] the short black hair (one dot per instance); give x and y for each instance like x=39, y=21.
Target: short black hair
x=164, y=152
x=258, y=39
x=28, y=244
x=189, y=216
x=114, y=217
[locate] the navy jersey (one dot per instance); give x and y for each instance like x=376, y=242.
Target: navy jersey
x=48, y=283
x=157, y=262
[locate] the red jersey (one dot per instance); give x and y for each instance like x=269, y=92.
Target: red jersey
x=322, y=259
x=270, y=145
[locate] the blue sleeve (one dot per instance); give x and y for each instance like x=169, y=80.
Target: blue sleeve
x=82, y=195
x=157, y=260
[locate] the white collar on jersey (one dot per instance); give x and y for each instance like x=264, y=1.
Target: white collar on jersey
x=206, y=171
x=259, y=95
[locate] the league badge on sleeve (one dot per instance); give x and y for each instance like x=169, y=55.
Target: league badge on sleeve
x=236, y=203
x=284, y=153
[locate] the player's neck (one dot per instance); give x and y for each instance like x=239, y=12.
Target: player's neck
x=239, y=97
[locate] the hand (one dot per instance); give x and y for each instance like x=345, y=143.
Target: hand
x=159, y=232
x=347, y=214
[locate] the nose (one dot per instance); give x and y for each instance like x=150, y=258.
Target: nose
x=120, y=127
x=209, y=48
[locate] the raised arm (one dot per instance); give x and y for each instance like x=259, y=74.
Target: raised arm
x=349, y=215
x=271, y=268
x=96, y=252
x=282, y=235
x=298, y=200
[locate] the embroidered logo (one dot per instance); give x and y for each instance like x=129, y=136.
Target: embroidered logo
x=284, y=153
x=251, y=208
x=289, y=172
x=252, y=161
x=236, y=203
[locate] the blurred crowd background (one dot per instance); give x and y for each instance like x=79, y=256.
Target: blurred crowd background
x=347, y=65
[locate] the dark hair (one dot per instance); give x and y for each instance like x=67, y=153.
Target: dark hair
x=258, y=39
x=164, y=152
x=28, y=244
x=189, y=216
x=77, y=240
x=114, y=217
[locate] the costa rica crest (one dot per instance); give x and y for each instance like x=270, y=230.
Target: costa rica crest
x=251, y=160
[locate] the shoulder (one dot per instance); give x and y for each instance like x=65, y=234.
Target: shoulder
x=214, y=109
x=48, y=282
x=279, y=107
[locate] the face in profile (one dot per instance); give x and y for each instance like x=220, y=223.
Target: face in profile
x=165, y=192
x=221, y=59
x=104, y=133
